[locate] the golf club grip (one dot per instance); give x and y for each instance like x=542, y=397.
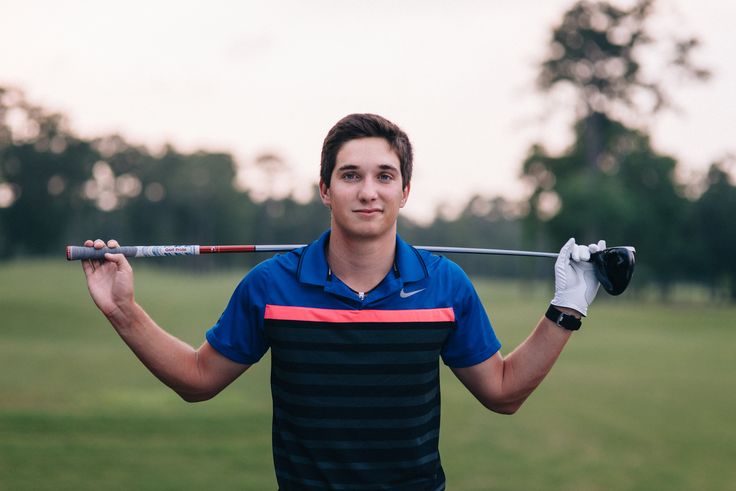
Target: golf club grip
x=74, y=253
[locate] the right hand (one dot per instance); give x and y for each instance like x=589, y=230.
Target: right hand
x=575, y=281
x=110, y=281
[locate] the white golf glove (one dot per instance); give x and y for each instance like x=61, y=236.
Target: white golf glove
x=575, y=281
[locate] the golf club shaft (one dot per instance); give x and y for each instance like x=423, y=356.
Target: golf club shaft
x=80, y=253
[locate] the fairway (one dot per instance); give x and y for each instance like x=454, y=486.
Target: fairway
x=641, y=399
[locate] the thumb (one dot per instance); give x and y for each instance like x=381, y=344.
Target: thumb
x=563, y=260
x=567, y=249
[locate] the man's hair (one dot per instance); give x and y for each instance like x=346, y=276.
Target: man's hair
x=356, y=126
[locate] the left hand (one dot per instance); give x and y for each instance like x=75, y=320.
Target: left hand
x=575, y=281
x=109, y=281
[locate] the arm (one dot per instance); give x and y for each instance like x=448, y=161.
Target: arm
x=503, y=384
x=194, y=374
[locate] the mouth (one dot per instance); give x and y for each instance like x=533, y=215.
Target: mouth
x=368, y=211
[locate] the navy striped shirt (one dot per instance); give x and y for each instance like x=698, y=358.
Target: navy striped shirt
x=355, y=381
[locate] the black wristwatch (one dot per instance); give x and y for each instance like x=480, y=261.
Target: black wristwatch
x=567, y=321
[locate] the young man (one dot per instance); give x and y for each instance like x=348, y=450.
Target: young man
x=356, y=323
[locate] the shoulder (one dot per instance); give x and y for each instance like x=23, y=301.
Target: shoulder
x=276, y=268
x=450, y=278
x=281, y=263
x=443, y=267
x=420, y=264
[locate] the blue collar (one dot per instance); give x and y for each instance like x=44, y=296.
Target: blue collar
x=313, y=269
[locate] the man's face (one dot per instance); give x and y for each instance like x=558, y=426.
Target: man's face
x=365, y=192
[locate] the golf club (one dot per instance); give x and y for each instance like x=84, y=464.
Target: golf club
x=613, y=266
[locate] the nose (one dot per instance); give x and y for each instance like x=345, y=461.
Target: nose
x=368, y=191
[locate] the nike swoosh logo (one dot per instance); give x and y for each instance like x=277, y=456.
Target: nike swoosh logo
x=404, y=294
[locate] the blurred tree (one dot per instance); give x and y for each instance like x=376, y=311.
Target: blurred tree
x=186, y=198
x=597, y=51
x=56, y=189
x=713, y=225
x=484, y=222
x=290, y=222
x=267, y=177
x=610, y=182
x=634, y=201
x=42, y=172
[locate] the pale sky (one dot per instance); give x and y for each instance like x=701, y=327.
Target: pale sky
x=255, y=76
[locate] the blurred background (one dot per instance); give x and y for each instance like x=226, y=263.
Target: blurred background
x=192, y=122
x=532, y=122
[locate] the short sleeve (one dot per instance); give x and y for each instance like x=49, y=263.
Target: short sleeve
x=238, y=334
x=473, y=339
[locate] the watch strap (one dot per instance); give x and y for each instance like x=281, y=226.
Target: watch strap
x=566, y=321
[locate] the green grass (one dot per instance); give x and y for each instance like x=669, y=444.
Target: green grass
x=642, y=398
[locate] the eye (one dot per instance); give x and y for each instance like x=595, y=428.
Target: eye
x=385, y=177
x=350, y=176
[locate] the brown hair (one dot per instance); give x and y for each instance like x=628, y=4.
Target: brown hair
x=356, y=126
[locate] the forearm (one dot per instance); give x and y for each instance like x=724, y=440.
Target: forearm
x=171, y=360
x=503, y=384
x=527, y=366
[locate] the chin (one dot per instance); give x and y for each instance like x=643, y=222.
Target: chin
x=368, y=231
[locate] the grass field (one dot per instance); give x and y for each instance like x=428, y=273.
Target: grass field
x=643, y=398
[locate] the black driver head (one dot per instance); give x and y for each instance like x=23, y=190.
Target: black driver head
x=614, y=267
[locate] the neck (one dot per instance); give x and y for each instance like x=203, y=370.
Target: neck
x=361, y=263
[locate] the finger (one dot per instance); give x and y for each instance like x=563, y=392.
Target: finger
x=563, y=260
x=99, y=244
x=112, y=243
x=119, y=260
x=597, y=247
x=575, y=253
x=584, y=253
x=87, y=267
x=567, y=249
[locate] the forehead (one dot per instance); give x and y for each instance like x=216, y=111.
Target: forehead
x=367, y=151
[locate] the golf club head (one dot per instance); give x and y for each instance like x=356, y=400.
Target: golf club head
x=614, y=267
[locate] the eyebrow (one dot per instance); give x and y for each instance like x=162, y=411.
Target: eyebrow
x=383, y=167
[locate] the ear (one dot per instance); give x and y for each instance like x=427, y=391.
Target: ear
x=405, y=194
x=324, y=194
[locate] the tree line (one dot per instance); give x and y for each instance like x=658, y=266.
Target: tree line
x=57, y=188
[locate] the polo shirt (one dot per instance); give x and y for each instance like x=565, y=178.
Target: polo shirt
x=355, y=377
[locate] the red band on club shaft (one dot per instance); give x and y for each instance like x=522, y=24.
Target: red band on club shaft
x=225, y=248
